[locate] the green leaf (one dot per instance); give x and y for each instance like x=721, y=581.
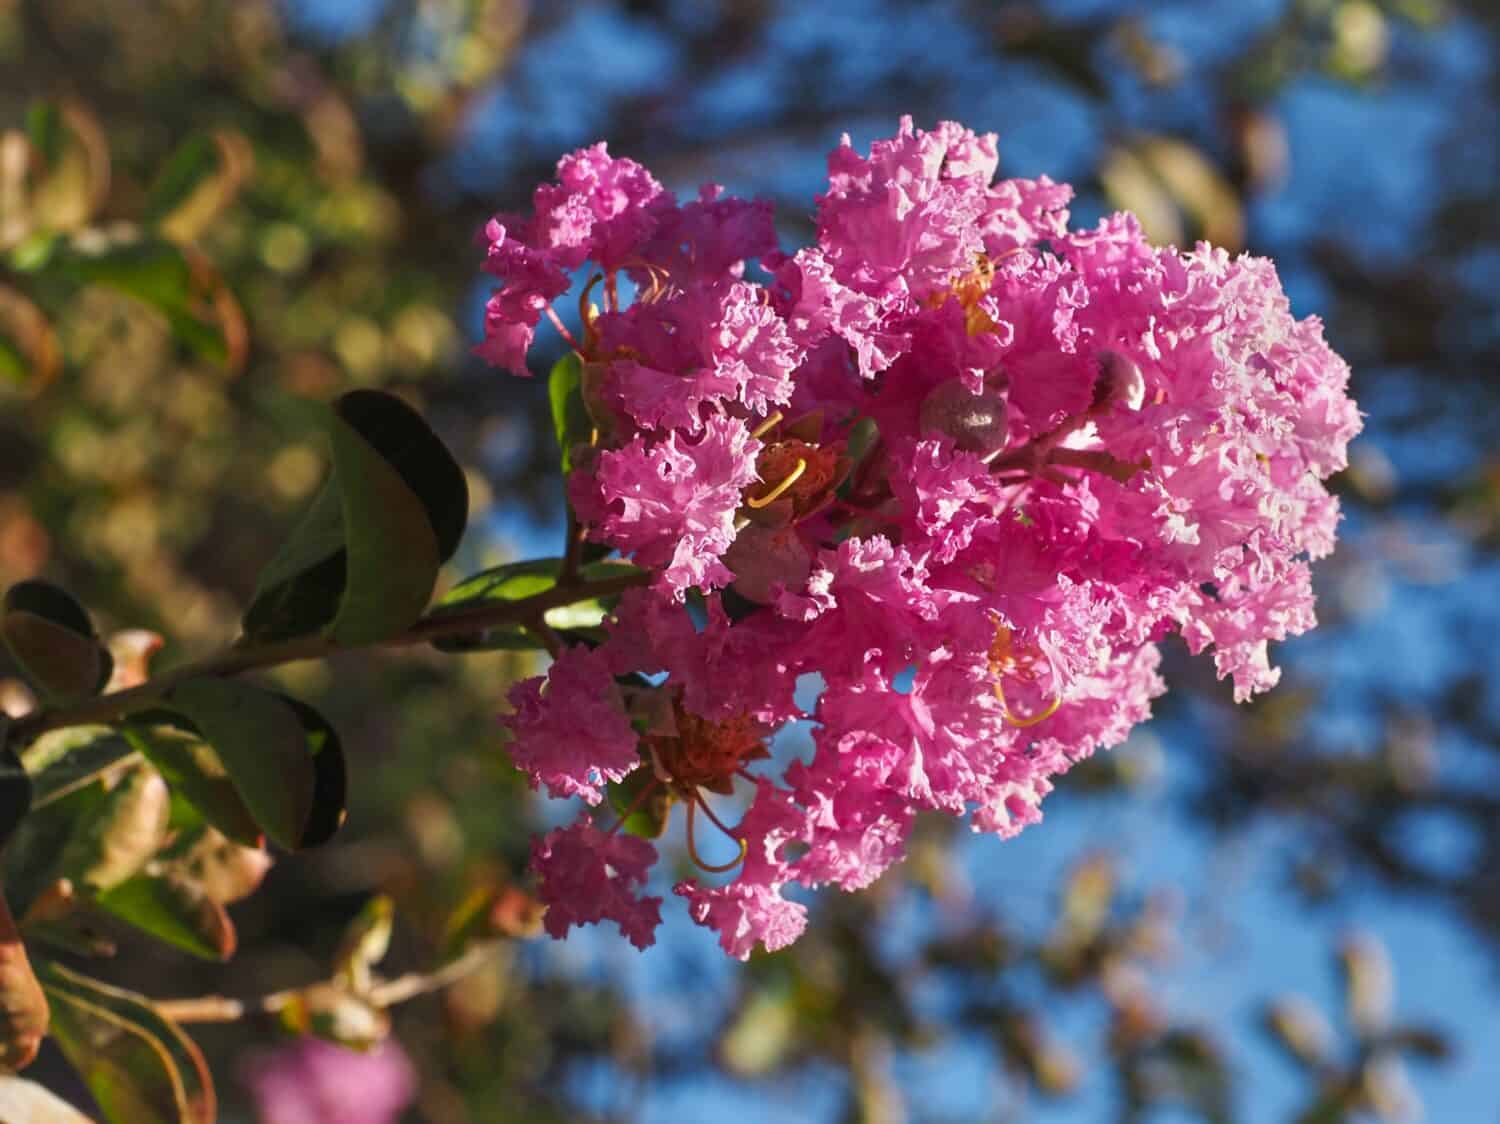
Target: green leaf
x=62, y=761
x=648, y=817
x=139, y=1066
x=44, y=129
x=195, y=160
x=403, y=438
x=298, y=592
x=173, y=909
x=154, y=272
x=510, y=582
x=50, y=635
x=362, y=563
x=577, y=622
x=393, y=550
x=26, y=1102
x=260, y=740
x=570, y=417
x=14, y=367
x=193, y=769
x=119, y=833
x=330, y=775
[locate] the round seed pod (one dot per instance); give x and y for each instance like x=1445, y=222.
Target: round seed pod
x=976, y=422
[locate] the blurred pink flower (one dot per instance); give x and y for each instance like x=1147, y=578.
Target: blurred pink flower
x=312, y=1081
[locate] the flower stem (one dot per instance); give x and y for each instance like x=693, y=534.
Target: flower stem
x=242, y=657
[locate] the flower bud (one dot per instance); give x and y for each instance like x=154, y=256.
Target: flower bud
x=760, y=557
x=1120, y=381
x=976, y=422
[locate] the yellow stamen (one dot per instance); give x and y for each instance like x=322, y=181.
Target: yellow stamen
x=777, y=492
x=766, y=426
x=1034, y=719
x=587, y=311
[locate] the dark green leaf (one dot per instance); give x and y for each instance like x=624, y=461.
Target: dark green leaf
x=308, y=600
x=50, y=635
x=260, y=740
x=570, y=417
x=362, y=563
x=63, y=761
x=15, y=786
x=175, y=910
x=193, y=770
x=393, y=551
x=405, y=440
x=139, y=1066
x=330, y=775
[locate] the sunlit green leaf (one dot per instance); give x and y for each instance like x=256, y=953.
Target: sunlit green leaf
x=174, y=910
x=119, y=834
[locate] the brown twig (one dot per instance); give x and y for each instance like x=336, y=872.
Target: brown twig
x=385, y=993
x=241, y=657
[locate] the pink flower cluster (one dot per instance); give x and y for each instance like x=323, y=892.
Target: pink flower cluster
x=963, y=464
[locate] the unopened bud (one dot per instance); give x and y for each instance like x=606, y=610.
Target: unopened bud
x=1120, y=381
x=761, y=557
x=976, y=422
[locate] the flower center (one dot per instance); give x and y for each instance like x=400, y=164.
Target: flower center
x=707, y=754
x=798, y=472
x=1007, y=661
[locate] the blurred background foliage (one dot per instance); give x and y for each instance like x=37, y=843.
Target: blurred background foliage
x=211, y=207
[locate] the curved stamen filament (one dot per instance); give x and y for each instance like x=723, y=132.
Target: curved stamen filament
x=587, y=312
x=1030, y=720
x=766, y=426
x=710, y=868
x=777, y=492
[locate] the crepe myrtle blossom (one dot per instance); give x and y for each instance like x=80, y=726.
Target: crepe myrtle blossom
x=964, y=464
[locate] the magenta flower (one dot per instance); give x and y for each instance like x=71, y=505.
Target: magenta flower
x=955, y=465
x=569, y=730
x=588, y=875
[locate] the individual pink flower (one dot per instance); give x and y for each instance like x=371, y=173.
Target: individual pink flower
x=311, y=1081
x=587, y=875
x=600, y=209
x=706, y=347
x=569, y=730
x=671, y=503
